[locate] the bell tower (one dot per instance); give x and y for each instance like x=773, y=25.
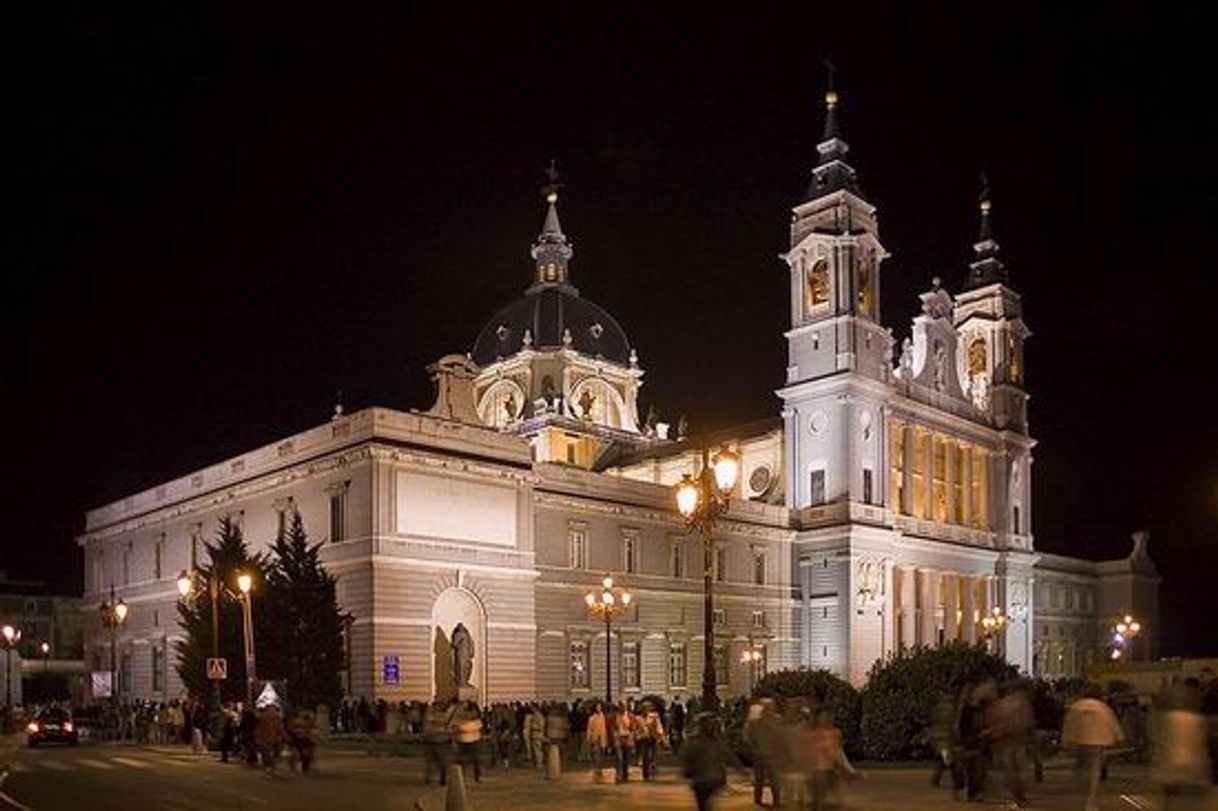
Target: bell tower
x=837, y=350
x=834, y=264
x=989, y=319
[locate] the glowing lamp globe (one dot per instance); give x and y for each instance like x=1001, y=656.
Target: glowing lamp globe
x=245, y=583
x=120, y=611
x=727, y=469
x=184, y=583
x=687, y=496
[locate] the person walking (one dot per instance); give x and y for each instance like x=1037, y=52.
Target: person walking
x=974, y=738
x=228, y=731
x=269, y=735
x=1090, y=727
x=624, y=736
x=302, y=731
x=650, y=736
x=1011, y=724
x=1180, y=763
x=597, y=736
x=676, y=725
x=761, y=736
x=469, y=738
x=706, y=760
x=437, y=741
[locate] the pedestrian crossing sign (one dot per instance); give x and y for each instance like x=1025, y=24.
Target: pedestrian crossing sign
x=217, y=668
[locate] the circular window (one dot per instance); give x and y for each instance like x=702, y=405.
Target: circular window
x=759, y=479
x=817, y=422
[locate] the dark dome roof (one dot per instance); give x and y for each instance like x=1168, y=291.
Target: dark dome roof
x=547, y=310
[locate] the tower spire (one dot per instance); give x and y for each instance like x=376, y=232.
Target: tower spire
x=551, y=250
x=987, y=267
x=831, y=172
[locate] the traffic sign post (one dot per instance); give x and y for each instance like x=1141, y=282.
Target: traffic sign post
x=217, y=669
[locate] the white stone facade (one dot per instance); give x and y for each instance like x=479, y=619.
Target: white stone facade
x=889, y=505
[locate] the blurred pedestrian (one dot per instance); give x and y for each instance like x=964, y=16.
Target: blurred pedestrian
x=945, y=741
x=437, y=741
x=269, y=735
x=301, y=733
x=624, y=738
x=469, y=738
x=650, y=736
x=706, y=760
x=1090, y=727
x=1010, y=726
x=1180, y=762
x=597, y=736
x=974, y=737
x=761, y=733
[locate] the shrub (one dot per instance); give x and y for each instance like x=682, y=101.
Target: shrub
x=824, y=689
x=903, y=689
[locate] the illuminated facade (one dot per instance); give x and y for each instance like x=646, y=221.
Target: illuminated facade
x=887, y=505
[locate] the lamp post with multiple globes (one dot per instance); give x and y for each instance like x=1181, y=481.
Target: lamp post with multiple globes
x=186, y=588
x=113, y=615
x=245, y=583
x=611, y=600
x=702, y=500
x=11, y=637
x=1123, y=635
x=752, y=659
x=992, y=625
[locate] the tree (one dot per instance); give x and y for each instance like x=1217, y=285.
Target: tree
x=304, y=625
x=226, y=558
x=902, y=691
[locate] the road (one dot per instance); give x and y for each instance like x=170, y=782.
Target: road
x=131, y=778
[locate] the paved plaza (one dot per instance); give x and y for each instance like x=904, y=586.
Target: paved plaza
x=101, y=777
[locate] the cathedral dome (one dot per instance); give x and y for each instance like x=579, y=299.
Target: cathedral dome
x=552, y=316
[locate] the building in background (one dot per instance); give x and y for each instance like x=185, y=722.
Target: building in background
x=887, y=505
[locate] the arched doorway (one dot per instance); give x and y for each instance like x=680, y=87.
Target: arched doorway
x=452, y=606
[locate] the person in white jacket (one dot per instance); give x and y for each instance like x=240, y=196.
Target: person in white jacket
x=1090, y=727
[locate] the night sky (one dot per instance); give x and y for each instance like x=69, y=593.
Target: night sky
x=219, y=217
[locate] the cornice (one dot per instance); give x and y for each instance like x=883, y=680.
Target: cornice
x=656, y=517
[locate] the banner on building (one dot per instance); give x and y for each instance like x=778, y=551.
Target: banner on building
x=99, y=684
x=391, y=670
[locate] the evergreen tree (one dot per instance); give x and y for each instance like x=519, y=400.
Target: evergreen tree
x=304, y=626
x=227, y=557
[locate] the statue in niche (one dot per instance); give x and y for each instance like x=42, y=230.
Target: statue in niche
x=940, y=366
x=976, y=356
x=816, y=290
x=509, y=405
x=586, y=402
x=652, y=420
x=463, y=655
x=906, y=359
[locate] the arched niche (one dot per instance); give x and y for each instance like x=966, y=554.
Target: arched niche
x=456, y=605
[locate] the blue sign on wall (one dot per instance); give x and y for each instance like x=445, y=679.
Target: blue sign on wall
x=391, y=672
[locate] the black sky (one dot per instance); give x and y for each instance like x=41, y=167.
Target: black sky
x=218, y=216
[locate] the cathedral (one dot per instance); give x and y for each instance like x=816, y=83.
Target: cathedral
x=886, y=505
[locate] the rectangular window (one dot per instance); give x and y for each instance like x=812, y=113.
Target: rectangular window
x=580, y=677
x=721, y=564
x=630, y=665
x=677, y=675
x=758, y=567
x=577, y=538
x=281, y=522
x=1015, y=518
x=676, y=560
x=630, y=553
x=719, y=616
x=157, y=549
x=866, y=485
x=816, y=494
x=758, y=619
x=158, y=669
x=338, y=516
x=124, y=674
x=570, y=453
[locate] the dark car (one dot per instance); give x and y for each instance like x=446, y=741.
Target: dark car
x=52, y=725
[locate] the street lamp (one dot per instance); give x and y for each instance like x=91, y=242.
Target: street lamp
x=609, y=601
x=186, y=588
x=1123, y=635
x=245, y=583
x=45, y=647
x=752, y=658
x=702, y=501
x=113, y=615
x=11, y=637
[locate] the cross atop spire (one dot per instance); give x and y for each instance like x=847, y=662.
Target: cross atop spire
x=831, y=173
x=551, y=249
x=987, y=268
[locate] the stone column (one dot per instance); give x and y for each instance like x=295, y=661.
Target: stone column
x=968, y=486
x=968, y=625
x=908, y=607
x=928, y=478
x=951, y=607
x=949, y=478
x=890, y=610
x=906, y=505
x=930, y=600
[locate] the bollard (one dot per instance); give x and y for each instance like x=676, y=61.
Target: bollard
x=454, y=797
x=553, y=762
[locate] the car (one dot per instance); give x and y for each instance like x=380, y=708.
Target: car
x=51, y=725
